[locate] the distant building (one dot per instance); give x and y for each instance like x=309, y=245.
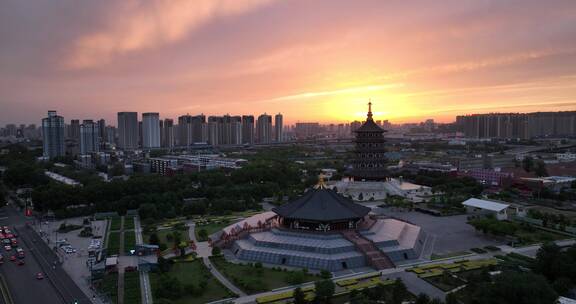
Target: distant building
x=247, y=129
x=53, y=135
x=278, y=128
x=264, y=129
x=488, y=177
x=128, y=130
x=102, y=130
x=412, y=192
x=168, y=133
x=74, y=130
x=485, y=207
x=518, y=125
x=191, y=129
x=305, y=130
x=89, y=137
x=150, y=130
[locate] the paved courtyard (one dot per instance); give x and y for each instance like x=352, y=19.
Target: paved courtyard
x=448, y=233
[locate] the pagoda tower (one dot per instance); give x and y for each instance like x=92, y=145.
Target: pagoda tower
x=369, y=162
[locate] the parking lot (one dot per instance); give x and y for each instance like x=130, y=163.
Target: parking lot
x=451, y=233
x=74, y=249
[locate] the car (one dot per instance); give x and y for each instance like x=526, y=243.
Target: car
x=20, y=253
x=6, y=241
x=12, y=258
x=20, y=262
x=7, y=247
x=14, y=241
x=39, y=276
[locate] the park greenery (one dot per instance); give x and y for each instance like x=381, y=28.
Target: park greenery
x=187, y=282
x=518, y=233
x=212, y=192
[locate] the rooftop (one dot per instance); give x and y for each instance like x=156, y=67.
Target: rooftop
x=485, y=204
x=322, y=205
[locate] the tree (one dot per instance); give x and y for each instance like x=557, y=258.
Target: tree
x=540, y=168
x=422, y=299
x=324, y=290
x=399, y=292
x=527, y=163
x=325, y=274
x=202, y=234
x=216, y=251
x=153, y=239
x=299, y=296
x=515, y=287
x=451, y=299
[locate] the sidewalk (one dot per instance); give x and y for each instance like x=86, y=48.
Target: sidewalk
x=222, y=278
x=145, y=288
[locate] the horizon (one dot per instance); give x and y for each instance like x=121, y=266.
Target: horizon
x=252, y=57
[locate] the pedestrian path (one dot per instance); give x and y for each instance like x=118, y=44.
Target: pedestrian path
x=145, y=287
x=222, y=278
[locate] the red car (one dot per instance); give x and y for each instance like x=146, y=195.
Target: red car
x=12, y=258
x=20, y=262
x=14, y=241
x=39, y=276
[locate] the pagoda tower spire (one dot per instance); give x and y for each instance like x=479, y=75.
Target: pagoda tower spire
x=369, y=116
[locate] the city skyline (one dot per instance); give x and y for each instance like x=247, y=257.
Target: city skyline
x=440, y=61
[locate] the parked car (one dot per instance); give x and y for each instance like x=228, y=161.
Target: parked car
x=39, y=276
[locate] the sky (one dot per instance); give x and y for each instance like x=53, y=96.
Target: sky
x=311, y=60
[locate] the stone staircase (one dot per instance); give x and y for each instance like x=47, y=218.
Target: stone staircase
x=374, y=256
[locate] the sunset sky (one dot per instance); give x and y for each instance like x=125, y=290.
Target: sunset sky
x=311, y=60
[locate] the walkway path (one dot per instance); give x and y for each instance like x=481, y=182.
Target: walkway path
x=204, y=251
x=145, y=288
x=222, y=278
x=121, y=269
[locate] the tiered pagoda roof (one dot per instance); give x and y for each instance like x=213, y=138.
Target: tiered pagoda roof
x=322, y=205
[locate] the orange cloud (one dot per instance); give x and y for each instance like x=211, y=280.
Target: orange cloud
x=138, y=26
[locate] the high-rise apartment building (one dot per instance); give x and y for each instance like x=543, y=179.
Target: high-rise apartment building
x=53, y=135
x=278, y=128
x=518, y=125
x=168, y=133
x=264, y=129
x=150, y=130
x=191, y=129
x=128, y=130
x=247, y=129
x=102, y=130
x=74, y=130
x=215, y=134
x=89, y=137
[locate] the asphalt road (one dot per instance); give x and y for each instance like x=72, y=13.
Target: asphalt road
x=56, y=287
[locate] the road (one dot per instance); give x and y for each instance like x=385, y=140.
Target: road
x=57, y=286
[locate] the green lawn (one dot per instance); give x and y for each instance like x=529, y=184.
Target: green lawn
x=253, y=280
x=113, y=243
x=109, y=287
x=528, y=237
x=129, y=240
x=128, y=223
x=115, y=223
x=192, y=273
x=210, y=229
x=163, y=237
x=445, y=282
x=132, y=293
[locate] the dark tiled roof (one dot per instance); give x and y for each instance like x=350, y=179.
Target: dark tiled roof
x=322, y=205
x=369, y=126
